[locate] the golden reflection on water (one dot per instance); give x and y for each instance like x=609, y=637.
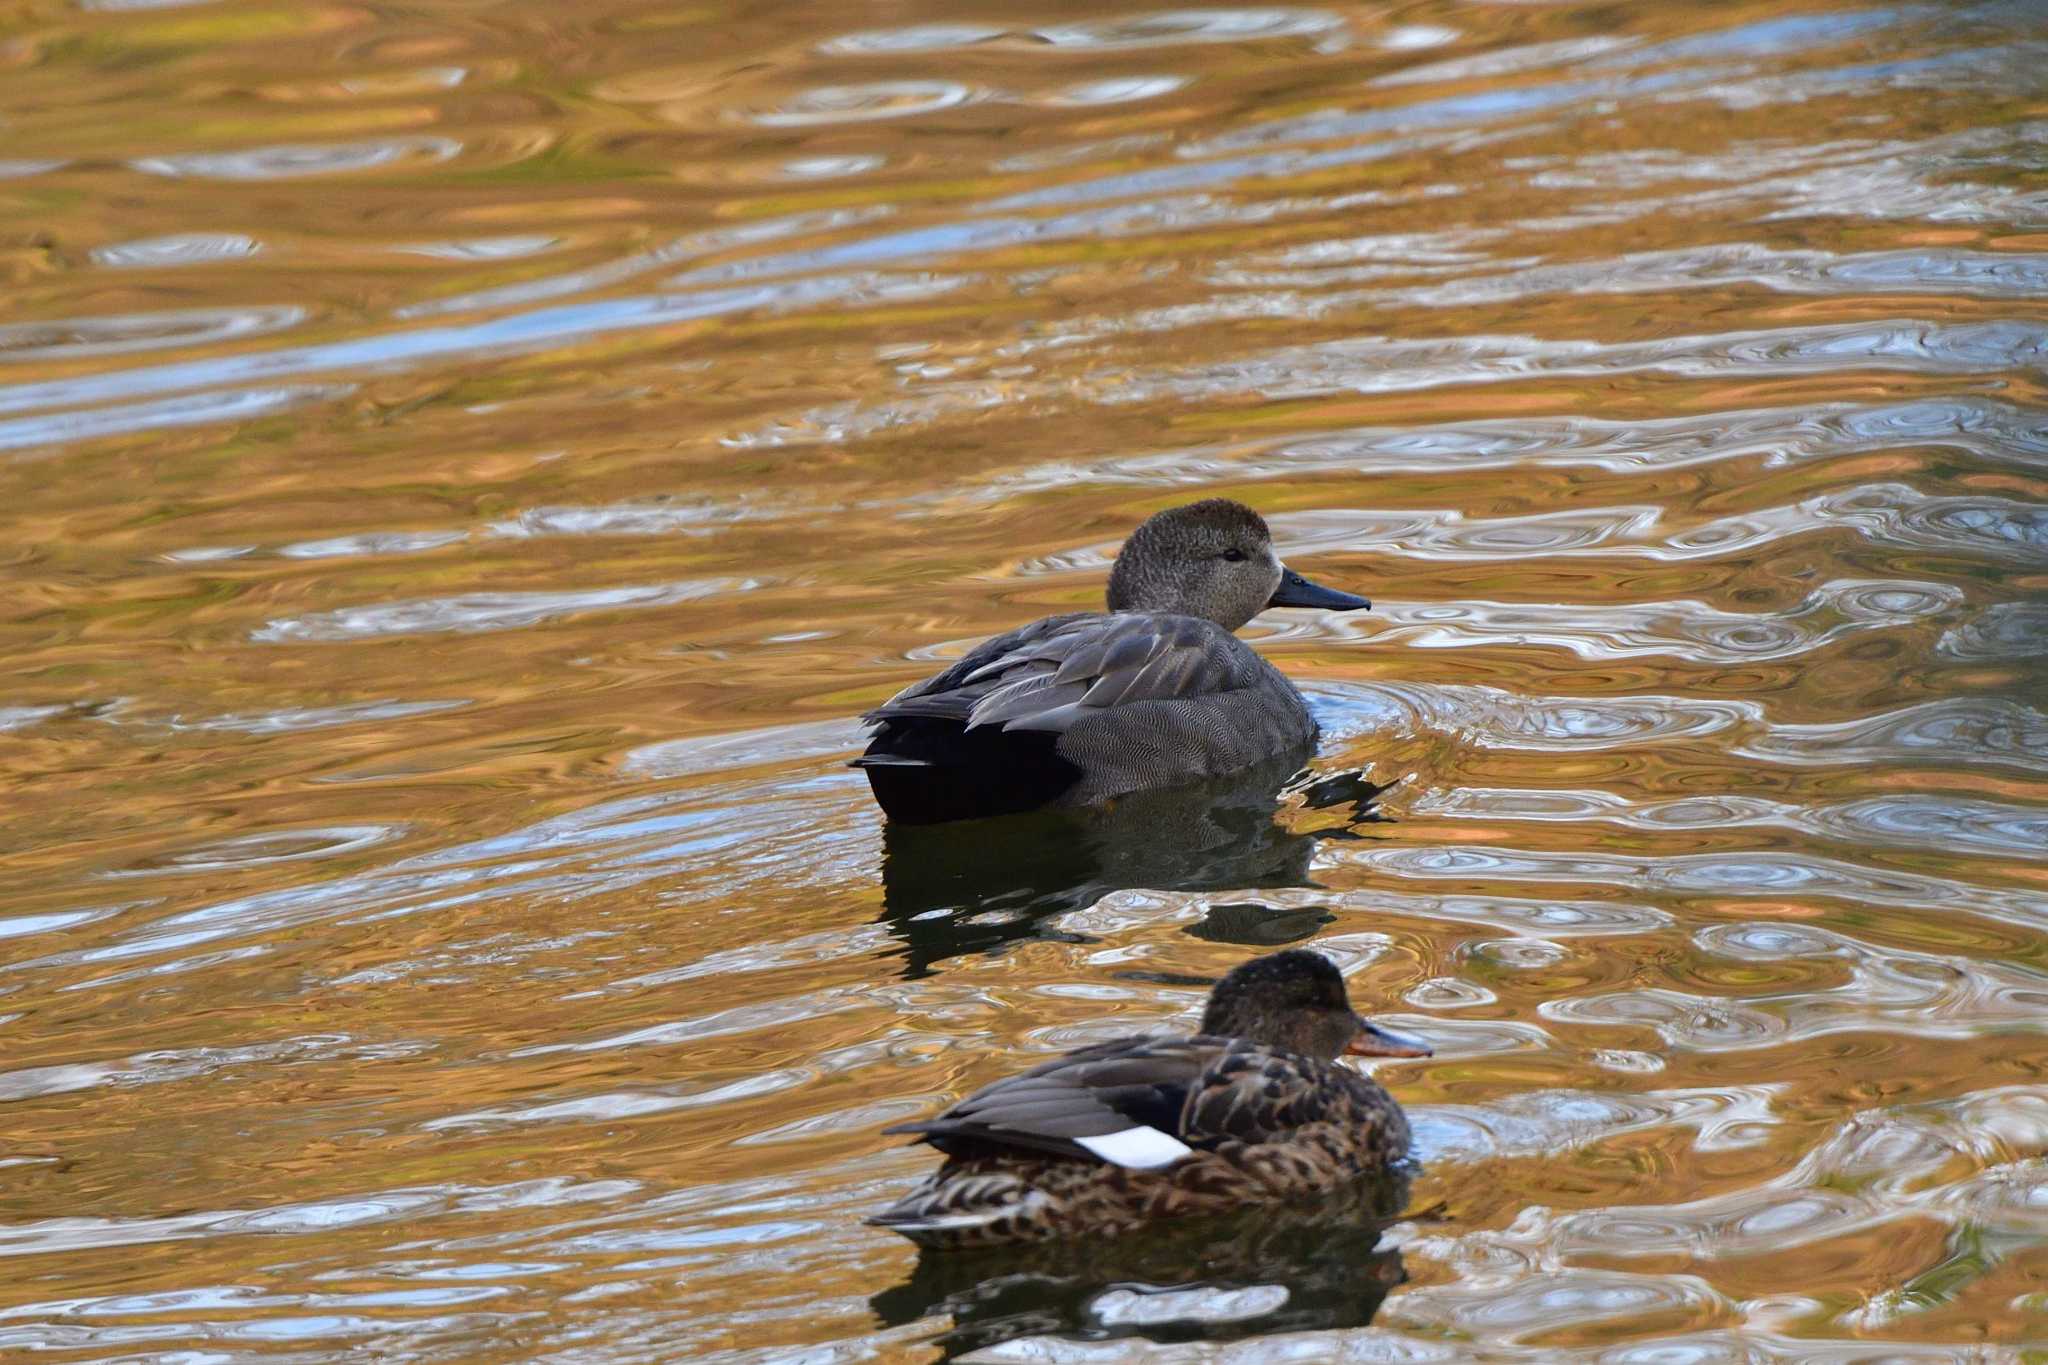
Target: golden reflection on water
x=465, y=468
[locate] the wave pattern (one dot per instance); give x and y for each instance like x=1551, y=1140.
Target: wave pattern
x=464, y=473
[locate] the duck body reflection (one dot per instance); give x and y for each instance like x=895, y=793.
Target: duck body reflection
x=953, y=889
x=1219, y=1277
x=1074, y=710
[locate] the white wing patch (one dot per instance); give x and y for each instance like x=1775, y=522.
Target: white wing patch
x=1141, y=1149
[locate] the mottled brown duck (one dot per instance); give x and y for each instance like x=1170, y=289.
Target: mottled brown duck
x=1076, y=709
x=1254, y=1109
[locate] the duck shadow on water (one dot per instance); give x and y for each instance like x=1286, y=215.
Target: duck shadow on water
x=974, y=886
x=1247, y=1274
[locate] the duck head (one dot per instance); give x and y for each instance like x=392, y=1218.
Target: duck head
x=1214, y=559
x=1295, y=1000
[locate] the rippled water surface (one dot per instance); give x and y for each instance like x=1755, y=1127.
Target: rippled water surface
x=463, y=466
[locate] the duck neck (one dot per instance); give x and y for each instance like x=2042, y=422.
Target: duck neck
x=1132, y=587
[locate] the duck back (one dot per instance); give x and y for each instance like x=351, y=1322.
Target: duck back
x=1076, y=709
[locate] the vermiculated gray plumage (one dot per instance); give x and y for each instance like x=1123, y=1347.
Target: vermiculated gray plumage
x=1073, y=710
x=1131, y=699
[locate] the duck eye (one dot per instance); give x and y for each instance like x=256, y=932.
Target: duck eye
x=1234, y=556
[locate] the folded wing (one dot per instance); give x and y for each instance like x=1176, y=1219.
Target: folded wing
x=1056, y=672
x=1120, y=1102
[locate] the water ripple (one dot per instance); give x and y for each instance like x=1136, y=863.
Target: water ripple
x=1767, y=873
x=1754, y=1222
x=614, y=1106
x=913, y=38
x=659, y=516
x=684, y=248
x=53, y=1235
x=1936, y=822
x=1382, y=364
x=186, y=248
x=486, y=611
x=276, y=846
x=2004, y=630
x=1905, y=180
x=225, y=405
x=1928, y=271
x=983, y=235
x=1979, y=427
x=183, y=1064
x=766, y=1014
x=69, y=338
x=1954, y=729
x=1943, y=823
x=1766, y=37
x=1688, y=630
x=1547, y=1122
x=1549, y=917
x=1568, y=1297
x=1888, y=513
x=1927, y=994
x=610, y=847
x=1494, y=106
x=1126, y=1308
x=372, y=543
x=745, y=748
x=1167, y=27
x=391, y=351
x=301, y=159
x=1111, y=90
x=1847, y=178
x=314, y=717
x=649, y=518
x=512, y=248
x=1892, y=514
x=1872, y=1169
x=863, y=103
x=1507, y=61
x=1498, y=719
x=21, y=717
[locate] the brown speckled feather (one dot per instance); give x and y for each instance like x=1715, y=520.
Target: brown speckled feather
x=1264, y=1125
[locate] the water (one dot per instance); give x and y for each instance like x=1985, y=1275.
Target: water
x=466, y=466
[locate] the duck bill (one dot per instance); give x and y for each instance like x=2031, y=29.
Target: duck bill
x=1296, y=591
x=1374, y=1041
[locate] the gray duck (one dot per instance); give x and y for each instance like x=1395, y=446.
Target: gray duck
x=1251, y=1110
x=1076, y=709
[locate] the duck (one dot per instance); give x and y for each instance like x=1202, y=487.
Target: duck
x=1077, y=709
x=1252, y=1110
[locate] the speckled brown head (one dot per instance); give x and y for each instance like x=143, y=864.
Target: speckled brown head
x=1295, y=1000
x=1214, y=559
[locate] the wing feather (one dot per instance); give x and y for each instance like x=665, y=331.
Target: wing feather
x=1059, y=671
x=952, y=692
x=1020, y=698
x=1132, y=1083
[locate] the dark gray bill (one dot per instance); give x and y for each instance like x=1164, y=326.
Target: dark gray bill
x=1296, y=591
x=1374, y=1041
